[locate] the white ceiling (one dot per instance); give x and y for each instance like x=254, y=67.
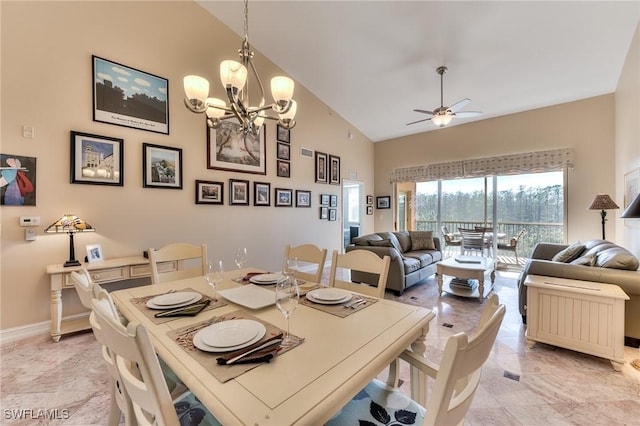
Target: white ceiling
x=373, y=62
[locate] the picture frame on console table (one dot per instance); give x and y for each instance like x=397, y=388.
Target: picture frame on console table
x=161, y=166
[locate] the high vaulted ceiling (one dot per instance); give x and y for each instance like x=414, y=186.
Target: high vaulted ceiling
x=374, y=62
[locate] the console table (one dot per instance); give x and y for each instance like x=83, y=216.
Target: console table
x=105, y=272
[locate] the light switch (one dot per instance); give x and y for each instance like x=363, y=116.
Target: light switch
x=28, y=132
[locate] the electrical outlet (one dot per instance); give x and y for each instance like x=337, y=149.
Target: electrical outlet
x=28, y=132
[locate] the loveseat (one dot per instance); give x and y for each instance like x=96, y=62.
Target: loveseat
x=414, y=255
x=597, y=261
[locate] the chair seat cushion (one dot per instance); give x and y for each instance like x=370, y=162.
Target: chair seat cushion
x=378, y=404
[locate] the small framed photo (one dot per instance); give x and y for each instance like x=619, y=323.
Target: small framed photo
x=96, y=160
x=334, y=201
x=369, y=200
x=334, y=170
x=161, y=166
x=284, y=151
x=369, y=210
x=383, y=202
x=324, y=199
x=208, y=192
x=238, y=192
x=332, y=214
x=303, y=198
x=284, y=134
x=324, y=212
x=284, y=168
x=284, y=197
x=261, y=194
x=94, y=253
x=321, y=167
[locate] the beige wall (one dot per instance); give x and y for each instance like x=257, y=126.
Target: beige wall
x=46, y=83
x=586, y=126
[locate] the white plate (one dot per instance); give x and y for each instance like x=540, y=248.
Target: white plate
x=346, y=298
x=266, y=278
x=231, y=333
x=198, y=343
x=250, y=296
x=329, y=294
x=176, y=298
x=152, y=305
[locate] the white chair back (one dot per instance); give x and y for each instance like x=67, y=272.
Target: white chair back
x=308, y=254
x=84, y=286
x=183, y=255
x=363, y=261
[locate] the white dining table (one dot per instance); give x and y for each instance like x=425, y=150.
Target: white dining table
x=309, y=383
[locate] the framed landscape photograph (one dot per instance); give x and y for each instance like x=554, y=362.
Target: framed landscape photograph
x=19, y=180
x=284, y=197
x=284, y=168
x=324, y=212
x=283, y=134
x=334, y=170
x=128, y=97
x=284, y=151
x=383, y=202
x=303, y=198
x=261, y=194
x=161, y=166
x=231, y=150
x=321, y=167
x=238, y=192
x=96, y=160
x=324, y=199
x=208, y=192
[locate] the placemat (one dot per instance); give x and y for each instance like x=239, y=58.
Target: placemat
x=224, y=373
x=141, y=304
x=340, y=310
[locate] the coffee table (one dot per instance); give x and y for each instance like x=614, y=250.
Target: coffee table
x=466, y=267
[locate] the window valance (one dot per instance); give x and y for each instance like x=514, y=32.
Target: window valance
x=530, y=162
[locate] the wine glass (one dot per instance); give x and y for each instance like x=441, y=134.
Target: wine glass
x=240, y=259
x=290, y=267
x=287, y=296
x=215, y=275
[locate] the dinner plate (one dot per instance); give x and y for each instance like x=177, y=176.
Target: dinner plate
x=175, y=298
x=346, y=298
x=194, y=299
x=265, y=279
x=230, y=333
x=329, y=294
x=250, y=296
x=198, y=343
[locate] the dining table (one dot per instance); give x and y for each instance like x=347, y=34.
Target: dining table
x=338, y=354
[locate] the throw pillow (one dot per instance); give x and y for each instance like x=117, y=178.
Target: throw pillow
x=587, y=260
x=394, y=240
x=365, y=239
x=570, y=253
x=422, y=240
x=381, y=243
x=617, y=258
x=404, y=238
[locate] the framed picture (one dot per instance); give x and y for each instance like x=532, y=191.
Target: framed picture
x=94, y=253
x=238, y=192
x=369, y=210
x=369, y=200
x=332, y=214
x=284, y=168
x=334, y=201
x=96, y=160
x=261, y=194
x=161, y=166
x=18, y=180
x=231, y=150
x=303, y=198
x=631, y=190
x=324, y=199
x=284, y=151
x=283, y=197
x=129, y=97
x=284, y=134
x=334, y=170
x=324, y=212
x=208, y=192
x=321, y=167
x=383, y=202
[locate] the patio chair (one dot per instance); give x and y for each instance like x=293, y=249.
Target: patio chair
x=473, y=240
x=512, y=244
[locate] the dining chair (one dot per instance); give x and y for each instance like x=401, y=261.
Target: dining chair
x=190, y=261
x=308, y=254
x=455, y=381
x=512, y=244
x=362, y=261
x=84, y=286
x=139, y=373
x=472, y=240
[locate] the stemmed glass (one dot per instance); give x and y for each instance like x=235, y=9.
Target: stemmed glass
x=287, y=296
x=290, y=267
x=215, y=275
x=240, y=259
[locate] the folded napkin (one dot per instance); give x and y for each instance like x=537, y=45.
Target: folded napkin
x=189, y=310
x=262, y=355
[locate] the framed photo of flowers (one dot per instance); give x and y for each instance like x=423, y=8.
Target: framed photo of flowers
x=161, y=166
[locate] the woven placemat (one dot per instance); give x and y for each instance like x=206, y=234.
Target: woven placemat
x=141, y=304
x=340, y=310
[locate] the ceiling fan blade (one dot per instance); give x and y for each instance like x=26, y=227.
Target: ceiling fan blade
x=464, y=114
x=419, y=121
x=423, y=111
x=459, y=105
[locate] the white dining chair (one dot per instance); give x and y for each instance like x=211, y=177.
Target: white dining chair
x=189, y=260
x=456, y=381
x=84, y=286
x=362, y=261
x=308, y=255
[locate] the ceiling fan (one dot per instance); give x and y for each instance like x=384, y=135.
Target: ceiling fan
x=443, y=115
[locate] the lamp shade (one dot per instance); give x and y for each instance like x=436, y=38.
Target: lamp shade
x=233, y=73
x=603, y=202
x=69, y=223
x=196, y=87
x=633, y=210
x=282, y=88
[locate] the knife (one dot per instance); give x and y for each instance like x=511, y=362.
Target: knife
x=265, y=345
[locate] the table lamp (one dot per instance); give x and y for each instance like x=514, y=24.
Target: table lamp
x=70, y=224
x=633, y=212
x=603, y=203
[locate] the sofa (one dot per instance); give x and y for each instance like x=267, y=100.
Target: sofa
x=597, y=261
x=414, y=255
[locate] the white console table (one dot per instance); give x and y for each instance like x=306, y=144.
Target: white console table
x=105, y=272
x=583, y=316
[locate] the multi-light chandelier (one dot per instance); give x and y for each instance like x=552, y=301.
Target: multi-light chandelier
x=233, y=76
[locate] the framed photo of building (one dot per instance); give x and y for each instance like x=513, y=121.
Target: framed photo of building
x=261, y=194
x=228, y=148
x=128, y=97
x=96, y=160
x=303, y=198
x=161, y=166
x=208, y=192
x=321, y=167
x=238, y=192
x=284, y=197
x=334, y=170
x=19, y=180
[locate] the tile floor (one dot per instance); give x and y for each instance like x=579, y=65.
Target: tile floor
x=67, y=382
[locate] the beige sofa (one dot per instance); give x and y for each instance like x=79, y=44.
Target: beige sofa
x=414, y=255
x=597, y=261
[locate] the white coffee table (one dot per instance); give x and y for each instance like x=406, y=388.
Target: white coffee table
x=466, y=267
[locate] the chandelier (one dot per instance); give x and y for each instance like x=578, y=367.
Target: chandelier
x=233, y=76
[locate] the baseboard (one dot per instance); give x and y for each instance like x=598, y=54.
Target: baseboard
x=16, y=334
